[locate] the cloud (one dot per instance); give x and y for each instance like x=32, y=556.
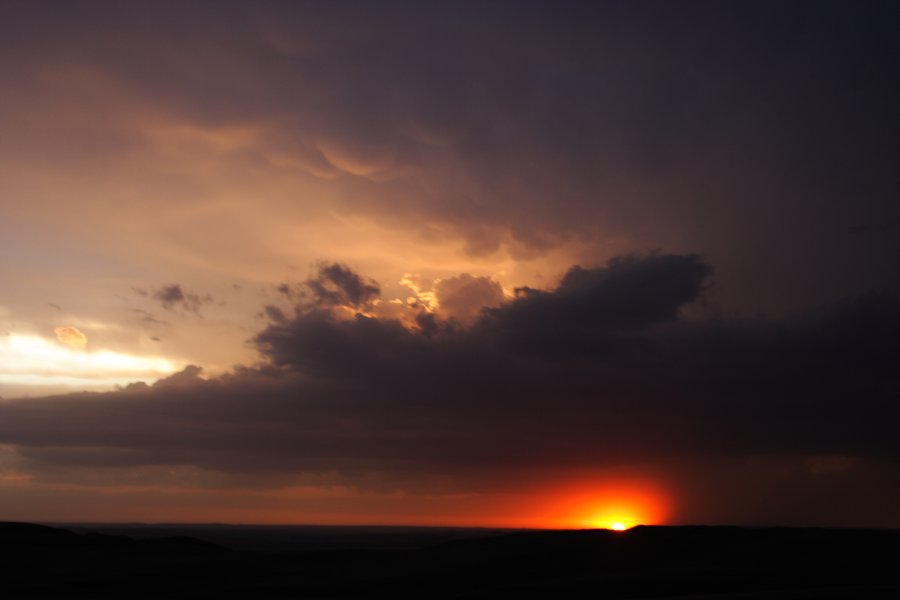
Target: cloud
x=336, y=285
x=274, y=314
x=576, y=127
x=333, y=285
x=147, y=317
x=593, y=308
x=464, y=297
x=172, y=296
x=71, y=336
x=601, y=370
x=234, y=139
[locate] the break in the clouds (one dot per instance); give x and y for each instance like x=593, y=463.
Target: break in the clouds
x=464, y=297
x=71, y=336
x=602, y=369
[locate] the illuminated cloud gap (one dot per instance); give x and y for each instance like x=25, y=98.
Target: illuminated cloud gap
x=33, y=360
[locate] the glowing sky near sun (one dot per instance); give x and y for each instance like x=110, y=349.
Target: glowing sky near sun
x=26, y=359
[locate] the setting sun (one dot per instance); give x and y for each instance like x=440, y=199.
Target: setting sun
x=602, y=500
x=616, y=523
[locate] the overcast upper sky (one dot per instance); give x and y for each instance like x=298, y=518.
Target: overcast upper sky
x=543, y=263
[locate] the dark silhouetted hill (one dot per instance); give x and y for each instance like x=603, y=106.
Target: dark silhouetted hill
x=645, y=562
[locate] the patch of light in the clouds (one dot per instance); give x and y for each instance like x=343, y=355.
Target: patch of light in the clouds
x=71, y=336
x=33, y=360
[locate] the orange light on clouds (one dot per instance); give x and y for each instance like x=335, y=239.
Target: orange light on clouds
x=71, y=336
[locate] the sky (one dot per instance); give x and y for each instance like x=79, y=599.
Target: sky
x=526, y=264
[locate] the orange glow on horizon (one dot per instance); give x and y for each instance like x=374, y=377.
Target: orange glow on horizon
x=617, y=505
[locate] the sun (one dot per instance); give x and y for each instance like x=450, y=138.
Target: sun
x=614, y=505
x=616, y=523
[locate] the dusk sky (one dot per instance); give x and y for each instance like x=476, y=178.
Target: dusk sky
x=541, y=264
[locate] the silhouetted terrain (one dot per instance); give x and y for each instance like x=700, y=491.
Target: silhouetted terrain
x=295, y=537
x=646, y=562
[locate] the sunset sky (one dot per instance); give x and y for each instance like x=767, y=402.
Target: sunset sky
x=540, y=264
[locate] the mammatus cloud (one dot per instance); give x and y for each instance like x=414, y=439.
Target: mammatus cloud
x=71, y=336
x=601, y=370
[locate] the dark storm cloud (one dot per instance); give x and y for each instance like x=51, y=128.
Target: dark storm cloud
x=332, y=285
x=591, y=307
x=337, y=285
x=762, y=135
x=599, y=371
x=748, y=131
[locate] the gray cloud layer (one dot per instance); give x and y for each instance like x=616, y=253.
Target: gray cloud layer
x=756, y=133
x=599, y=371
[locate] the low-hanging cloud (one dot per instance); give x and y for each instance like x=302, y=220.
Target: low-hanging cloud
x=601, y=370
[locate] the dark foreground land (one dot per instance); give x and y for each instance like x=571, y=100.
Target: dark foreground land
x=259, y=562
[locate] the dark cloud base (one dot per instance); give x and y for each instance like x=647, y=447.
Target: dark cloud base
x=600, y=371
x=763, y=134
